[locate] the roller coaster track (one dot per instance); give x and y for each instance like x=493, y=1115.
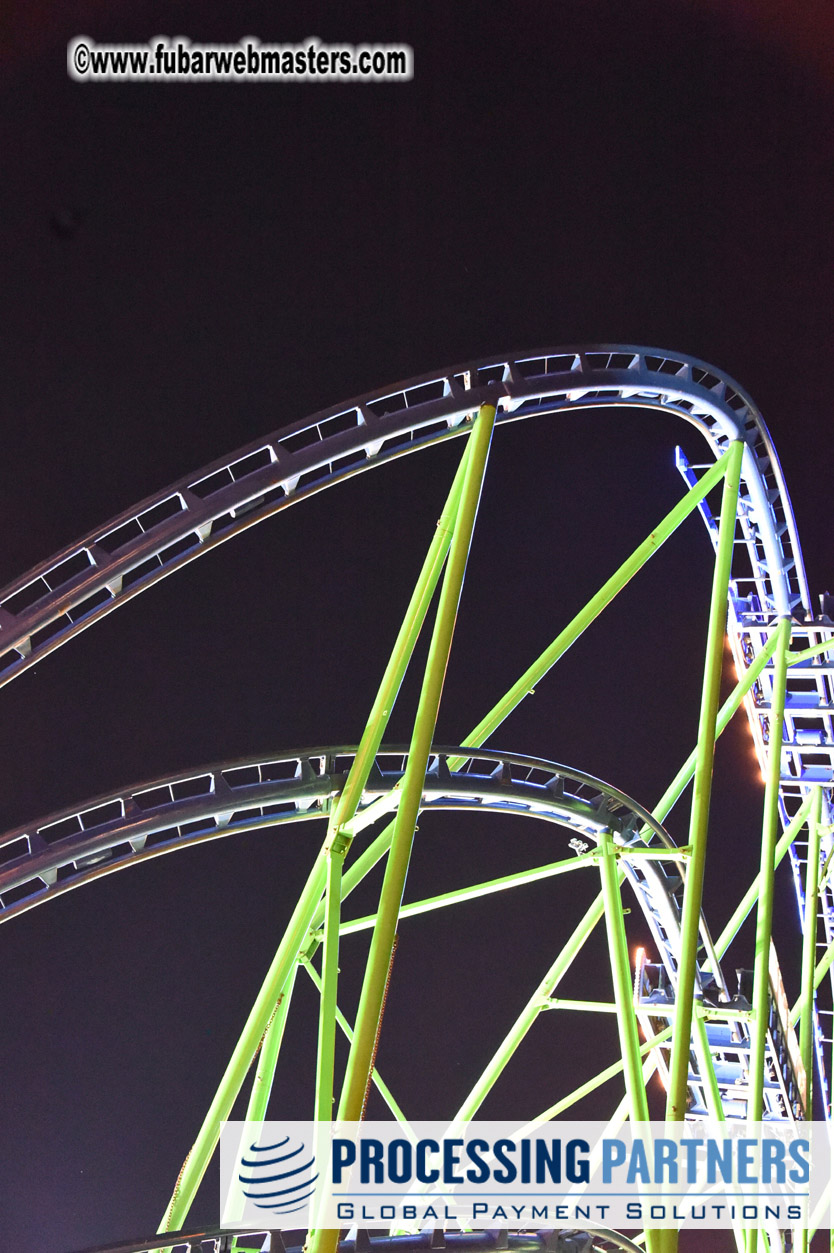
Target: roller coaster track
x=216, y=1240
x=78, y=846
x=63, y=596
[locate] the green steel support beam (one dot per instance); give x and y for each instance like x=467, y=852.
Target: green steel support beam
x=363, y=1047
x=764, y=911
x=346, y=1029
x=690, y=921
x=415, y=615
x=325, y=1058
x=346, y=804
x=513, y=698
x=274, y=984
x=526, y=684
x=360, y=1059
x=501, y=884
x=530, y=1012
x=302, y=918
x=478, y=889
x=822, y=968
x=706, y=1066
x=747, y=902
x=563, y=641
x=676, y=516
x=636, y=1099
x=268, y=1055
x=825, y=646
x=359, y=869
x=809, y=945
x=591, y=1085
x=623, y=983
x=267, y=1061
x=731, y=706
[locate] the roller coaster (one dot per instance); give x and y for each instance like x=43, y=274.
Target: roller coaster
x=721, y=1052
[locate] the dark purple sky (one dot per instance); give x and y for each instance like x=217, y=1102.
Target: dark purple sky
x=238, y=257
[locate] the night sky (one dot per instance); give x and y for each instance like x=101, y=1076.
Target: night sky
x=186, y=268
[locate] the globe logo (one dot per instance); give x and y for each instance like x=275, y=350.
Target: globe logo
x=281, y=1173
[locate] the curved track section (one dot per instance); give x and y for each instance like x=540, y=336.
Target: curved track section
x=64, y=595
x=588, y=1240
x=113, y=833
x=76, y=846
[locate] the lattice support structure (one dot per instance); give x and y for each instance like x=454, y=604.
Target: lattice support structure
x=730, y=1055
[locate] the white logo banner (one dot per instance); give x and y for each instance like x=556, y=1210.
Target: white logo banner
x=492, y=1174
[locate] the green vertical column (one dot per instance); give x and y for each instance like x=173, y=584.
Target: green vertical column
x=623, y=983
x=764, y=910
x=379, y=958
x=329, y=980
x=361, y=1056
x=809, y=947
x=699, y=816
x=681, y=1042
x=268, y=1056
x=283, y=965
x=530, y=1012
x=638, y=1104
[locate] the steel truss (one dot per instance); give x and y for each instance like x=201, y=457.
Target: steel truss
x=726, y=1055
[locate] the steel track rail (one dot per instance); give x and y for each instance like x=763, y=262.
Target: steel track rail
x=68, y=593
x=65, y=595
x=112, y=833
x=43, y=860
x=219, y=1240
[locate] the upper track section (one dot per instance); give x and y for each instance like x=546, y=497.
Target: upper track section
x=66, y=594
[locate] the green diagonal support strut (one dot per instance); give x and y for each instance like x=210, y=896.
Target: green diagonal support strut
x=362, y=1051
x=621, y=976
x=751, y=895
x=346, y=804
x=699, y=814
x=329, y=979
x=273, y=986
x=531, y=1011
x=571, y=633
x=265, y=1070
x=486, y=888
x=359, y=1061
x=764, y=912
x=731, y=706
x=346, y=1029
x=690, y=921
x=297, y=933
x=809, y=937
